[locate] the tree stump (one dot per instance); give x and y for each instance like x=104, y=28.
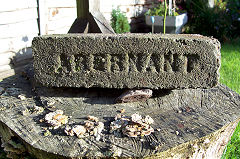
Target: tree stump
x=188, y=123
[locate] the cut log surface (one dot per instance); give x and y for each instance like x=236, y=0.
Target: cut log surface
x=188, y=123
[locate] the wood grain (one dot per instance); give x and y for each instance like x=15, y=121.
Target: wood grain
x=23, y=28
x=15, y=44
x=59, y=13
x=13, y=5
x=18, y=16
x=184, y=118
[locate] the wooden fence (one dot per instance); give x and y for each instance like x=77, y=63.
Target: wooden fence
x=56, y=16
x=18, y=25
x=21, y=20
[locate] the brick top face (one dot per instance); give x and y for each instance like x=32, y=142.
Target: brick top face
x=127, y=60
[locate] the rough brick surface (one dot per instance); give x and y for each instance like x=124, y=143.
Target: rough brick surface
x=127, y=61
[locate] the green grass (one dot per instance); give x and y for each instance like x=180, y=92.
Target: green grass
x=230, y=65
x=233, y=148
x=230, y=76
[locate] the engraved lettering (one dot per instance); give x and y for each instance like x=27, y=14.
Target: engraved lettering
x=127, y=63
x=89, y=62
x=169, y=63
x=139, y=63
x=80, y=62
x=144, y=61
x=158, y=62
x=133, y=63
x=108, y=63
x=191, y=62
x=117, y=63
x=153, y=63
x=65, y=65
x=181, y=63
x=99, y=62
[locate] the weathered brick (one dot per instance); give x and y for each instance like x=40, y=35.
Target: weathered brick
x=127, y=61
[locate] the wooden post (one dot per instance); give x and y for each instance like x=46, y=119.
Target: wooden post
x=82, y=8
x=89, y=18
x=42, y=17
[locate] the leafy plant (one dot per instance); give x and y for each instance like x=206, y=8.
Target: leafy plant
x=216, y=21
x=233, y=11
x=159, y=10
x=119, y=21
x=156, y=11
x=2, y=154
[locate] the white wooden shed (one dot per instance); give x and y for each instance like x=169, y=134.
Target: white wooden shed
x=21, y=20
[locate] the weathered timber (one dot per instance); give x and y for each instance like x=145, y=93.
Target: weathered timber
x=90, y=19
x=127, y=61
x=187, y=123
x=95, y=23
x=82, y=8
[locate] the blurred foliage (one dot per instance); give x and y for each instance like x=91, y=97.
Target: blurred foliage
x=221, y=21
x=160, y=9
x=156, y=11
x=119, y=21
x=3, y=154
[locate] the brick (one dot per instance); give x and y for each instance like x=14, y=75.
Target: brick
x=154, y=61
